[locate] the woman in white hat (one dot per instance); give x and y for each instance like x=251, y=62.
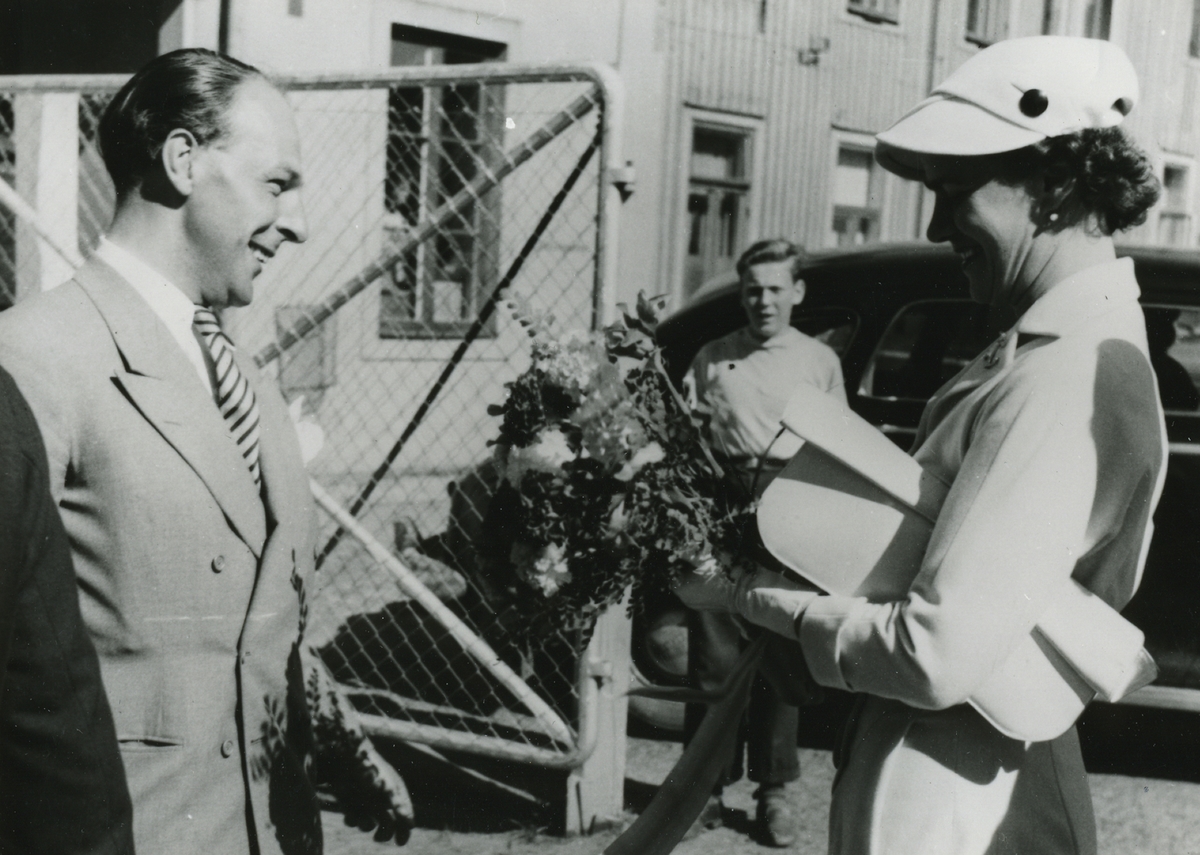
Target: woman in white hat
x=1052, y=441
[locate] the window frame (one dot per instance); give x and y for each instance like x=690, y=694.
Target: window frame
x=997, y=21
x=752, y=128
x=1106, y=21
x=1184, y=213
x=1194, y=38
x=878, y=184
x=870, y=10
x=403, y=317
x=1072, y=18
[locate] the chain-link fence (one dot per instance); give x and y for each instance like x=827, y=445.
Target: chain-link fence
x=433, y=195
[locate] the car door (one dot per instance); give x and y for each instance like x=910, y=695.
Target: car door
x=1167, y=606
x=925, y=344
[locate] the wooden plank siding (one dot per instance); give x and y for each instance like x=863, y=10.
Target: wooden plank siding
x=727, y=57
x=741, y=58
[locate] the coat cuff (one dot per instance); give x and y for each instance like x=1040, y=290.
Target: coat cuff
x=818, y=631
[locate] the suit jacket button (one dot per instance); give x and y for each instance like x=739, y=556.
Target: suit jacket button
x=218, y=564
x=227, y=748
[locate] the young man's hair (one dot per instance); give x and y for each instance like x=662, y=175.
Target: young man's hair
x=769, y=251
x=189, y=89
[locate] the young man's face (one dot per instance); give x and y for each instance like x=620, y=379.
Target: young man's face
x=246, y=197
x=768, y=295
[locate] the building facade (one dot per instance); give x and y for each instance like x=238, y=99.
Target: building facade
x=743, y=118
x=754, y=118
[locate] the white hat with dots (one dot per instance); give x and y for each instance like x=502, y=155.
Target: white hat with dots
x=1011, y=95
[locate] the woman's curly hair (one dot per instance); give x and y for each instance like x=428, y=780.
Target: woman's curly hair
x=1094, y=172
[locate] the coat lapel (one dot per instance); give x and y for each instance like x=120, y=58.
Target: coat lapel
x=995, y=360
x=161, y=383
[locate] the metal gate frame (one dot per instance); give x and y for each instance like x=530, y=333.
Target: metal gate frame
x=600, y=679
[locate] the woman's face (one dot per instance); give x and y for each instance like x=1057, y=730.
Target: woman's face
x=988, y=223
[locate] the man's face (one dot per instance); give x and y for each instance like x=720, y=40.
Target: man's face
x=245, y=200
x=768, y=295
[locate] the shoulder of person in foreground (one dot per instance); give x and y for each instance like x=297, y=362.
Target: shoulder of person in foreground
x=63, y=790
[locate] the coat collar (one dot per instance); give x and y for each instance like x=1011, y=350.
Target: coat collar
x=163, y=386
x=1080, y=298
x=1073, y=302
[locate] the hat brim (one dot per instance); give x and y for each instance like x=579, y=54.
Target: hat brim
x=942, y=125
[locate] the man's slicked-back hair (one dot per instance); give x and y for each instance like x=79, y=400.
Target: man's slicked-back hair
x=770, y=251
x=190, y=88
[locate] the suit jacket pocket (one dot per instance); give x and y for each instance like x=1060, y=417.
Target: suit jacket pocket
x=146, y=715
x=147, y=743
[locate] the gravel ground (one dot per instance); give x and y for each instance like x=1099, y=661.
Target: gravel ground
x=1135, y=816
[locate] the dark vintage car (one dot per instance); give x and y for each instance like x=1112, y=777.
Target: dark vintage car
x=900, y=318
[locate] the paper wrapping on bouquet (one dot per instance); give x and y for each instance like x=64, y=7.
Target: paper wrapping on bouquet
x=852, y=514
x=682, y=795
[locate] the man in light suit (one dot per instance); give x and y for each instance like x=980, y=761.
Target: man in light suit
x=176, y=469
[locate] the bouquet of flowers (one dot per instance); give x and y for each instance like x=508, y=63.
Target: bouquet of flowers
x=607, y=481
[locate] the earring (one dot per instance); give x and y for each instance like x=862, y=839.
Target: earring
x=1054, y=217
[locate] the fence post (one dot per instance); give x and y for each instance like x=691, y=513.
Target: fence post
x=46, y=143
x=596, y=790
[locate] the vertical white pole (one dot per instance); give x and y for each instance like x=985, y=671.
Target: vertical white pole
x=46, y=141
x=596, y=790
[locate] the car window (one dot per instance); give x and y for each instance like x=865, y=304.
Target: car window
x=832, y=326
x=925, y=345
x=1174, y=336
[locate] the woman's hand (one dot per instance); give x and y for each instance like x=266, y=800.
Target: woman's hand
x=761, y=596
x=707, y=589
x=773, y=601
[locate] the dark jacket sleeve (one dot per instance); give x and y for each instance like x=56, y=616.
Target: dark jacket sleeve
x=62, y=783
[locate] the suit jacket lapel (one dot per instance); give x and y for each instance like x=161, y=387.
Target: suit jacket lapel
x=161, y=383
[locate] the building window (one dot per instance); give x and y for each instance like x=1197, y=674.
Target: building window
x=1097, y=19
x=857, y=196
x=987, y=21
x=718, y=202
x=887, y=11
x=296, y=8
x=1174, y=220
x=439, y=139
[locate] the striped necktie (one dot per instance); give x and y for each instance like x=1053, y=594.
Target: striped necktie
x=235, y=398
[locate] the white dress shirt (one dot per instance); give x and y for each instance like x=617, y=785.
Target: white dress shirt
x=172, y=306
x=745, y=383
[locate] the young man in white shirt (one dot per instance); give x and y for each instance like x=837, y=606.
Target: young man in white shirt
x=744, y=381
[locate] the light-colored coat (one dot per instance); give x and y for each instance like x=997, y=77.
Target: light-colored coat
x=191, y=585
x=1055, y=446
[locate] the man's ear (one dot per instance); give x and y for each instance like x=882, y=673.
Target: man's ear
x=799, y=289
x=178, y=160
